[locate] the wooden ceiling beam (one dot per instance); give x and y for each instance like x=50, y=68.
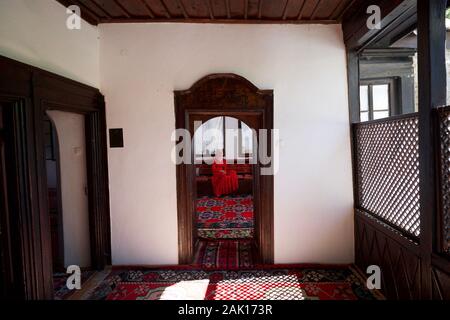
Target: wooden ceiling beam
x=246, y=10
x=338, y=9
x=149, y=10
x=223, y=21
x=97, y=5
x=316, y=8
x=227, y=5
x=407, y=20
x=344, y=11
x=260, y=9
x=356, y=33
x=302, y=9
x=285, y=10
x=210, y=10
x=183, y=9
x=122, y=8
x=166, y=9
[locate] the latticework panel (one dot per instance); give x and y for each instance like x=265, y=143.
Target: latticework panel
x=387, y=160
x=444, y=120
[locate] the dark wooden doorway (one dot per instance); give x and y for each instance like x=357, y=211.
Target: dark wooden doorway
x=224, y=95
x=26, y=93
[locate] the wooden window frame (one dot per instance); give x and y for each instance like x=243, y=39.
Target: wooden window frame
x=391, y=93
x=224, y=135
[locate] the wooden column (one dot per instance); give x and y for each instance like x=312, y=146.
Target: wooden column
x=353, y=74
x=432, y=94
x=353, y=85
x=354, y=114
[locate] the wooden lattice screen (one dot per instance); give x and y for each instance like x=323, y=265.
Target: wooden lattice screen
x=444, y=223
x=387, y=171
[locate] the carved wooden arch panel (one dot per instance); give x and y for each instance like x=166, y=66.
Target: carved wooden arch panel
x=224, y=95
x=224, y=91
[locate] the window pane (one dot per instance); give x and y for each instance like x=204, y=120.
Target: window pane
x=364, y=98
x=380, y=114
x=231, y=137
x=209, y=137
x=364, y=116
x=247, y=139
x=213, y=136
x=381, y=97
x=198, y=141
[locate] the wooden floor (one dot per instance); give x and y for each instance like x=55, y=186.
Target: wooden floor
x=93, y=282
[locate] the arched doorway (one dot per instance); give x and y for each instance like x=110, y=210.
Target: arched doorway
x=224, y=154
x=225, y=96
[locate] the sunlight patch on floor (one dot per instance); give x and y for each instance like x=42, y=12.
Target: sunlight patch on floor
x=186, y=290
x=282, y=287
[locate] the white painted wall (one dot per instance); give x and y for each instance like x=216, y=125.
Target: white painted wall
x=35, y=32
x=141, y=65
x=72, y=153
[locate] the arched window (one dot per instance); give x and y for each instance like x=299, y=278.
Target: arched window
x=231, y=135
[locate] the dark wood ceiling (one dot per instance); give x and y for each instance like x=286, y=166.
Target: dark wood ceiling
x=212, y=11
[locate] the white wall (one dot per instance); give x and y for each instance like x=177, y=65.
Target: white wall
x=35, y=32
x=141, y=65
x=72, y=154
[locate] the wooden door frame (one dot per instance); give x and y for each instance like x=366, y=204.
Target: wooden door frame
x=99, y=238
x=19, y=215
x=36, y=91
x=49, y=91
x=226, y=93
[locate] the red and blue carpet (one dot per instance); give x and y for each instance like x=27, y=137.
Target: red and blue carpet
x=289, y=282
x=229, y=217
x=224, y=254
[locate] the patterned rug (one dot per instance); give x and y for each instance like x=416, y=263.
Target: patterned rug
x=224, y=254
x=229, y=217
x=61, y=292
x=291, y=282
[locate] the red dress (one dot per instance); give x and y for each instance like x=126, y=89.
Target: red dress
x=224, y=181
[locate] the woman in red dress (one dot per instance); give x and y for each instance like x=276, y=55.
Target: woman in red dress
x=224, y=180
